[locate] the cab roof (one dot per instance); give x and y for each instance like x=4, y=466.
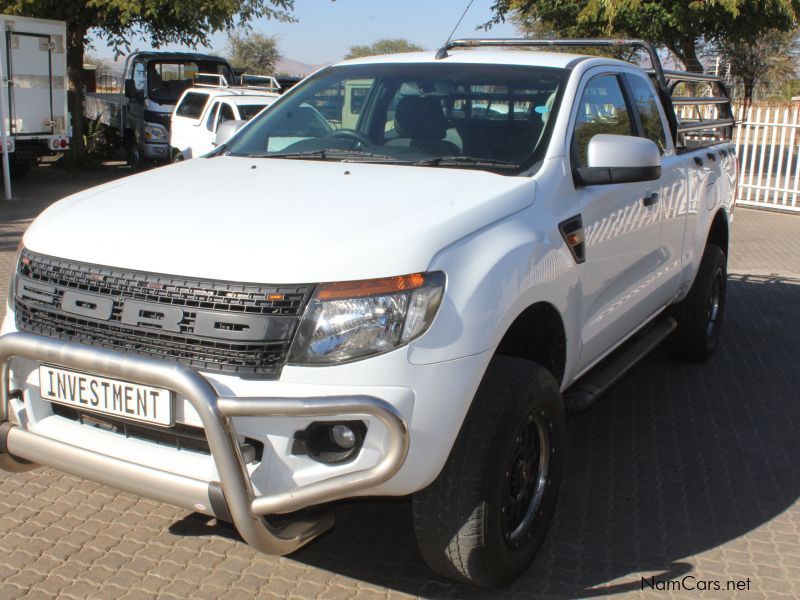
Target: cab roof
x=532, y=58
x=232, y=93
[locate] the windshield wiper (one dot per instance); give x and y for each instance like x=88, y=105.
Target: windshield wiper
x=470, y=161
x=339, y=154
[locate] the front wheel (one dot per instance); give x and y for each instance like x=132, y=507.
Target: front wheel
x=484, y=518
x=699, y=315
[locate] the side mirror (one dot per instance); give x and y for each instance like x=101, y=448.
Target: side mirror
x=130, y=89
x=226, y=130
x=619, y=159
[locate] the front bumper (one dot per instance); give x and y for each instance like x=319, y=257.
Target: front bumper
x=233, y=497
x=158, y=152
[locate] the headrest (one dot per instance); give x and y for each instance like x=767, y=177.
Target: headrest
x=420, y=118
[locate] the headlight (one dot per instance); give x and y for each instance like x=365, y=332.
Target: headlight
x=155, y=133
x=355, y=319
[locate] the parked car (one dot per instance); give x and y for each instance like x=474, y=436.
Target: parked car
x=35, y=66
x=137, y=118
x=201, y=110
x=406, y=301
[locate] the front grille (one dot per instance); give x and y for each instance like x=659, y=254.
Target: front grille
x=277, y=308
x=158, y=118
x=179, y=436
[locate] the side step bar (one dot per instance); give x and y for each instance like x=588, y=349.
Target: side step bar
x=582, y=394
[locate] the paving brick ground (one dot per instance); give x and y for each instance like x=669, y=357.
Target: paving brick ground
x=681, y=470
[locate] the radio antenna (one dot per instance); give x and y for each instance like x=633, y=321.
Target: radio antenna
x=439, y=54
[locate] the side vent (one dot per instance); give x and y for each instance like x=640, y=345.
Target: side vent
x=572, y=232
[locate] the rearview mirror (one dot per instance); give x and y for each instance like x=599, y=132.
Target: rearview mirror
x=130, y=89
x=226, y=130
x=619, y=159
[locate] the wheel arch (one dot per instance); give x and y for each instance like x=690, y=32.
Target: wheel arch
x=719, y=232
x=538, y=334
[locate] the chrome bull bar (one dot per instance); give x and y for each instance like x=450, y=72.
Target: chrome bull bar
x=233, y=498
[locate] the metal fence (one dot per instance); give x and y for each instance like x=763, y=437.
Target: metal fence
x=767, y=142
x=109, y=82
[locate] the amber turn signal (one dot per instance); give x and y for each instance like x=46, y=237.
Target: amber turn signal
x=370, y=287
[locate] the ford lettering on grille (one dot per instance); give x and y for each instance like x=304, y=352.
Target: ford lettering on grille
x=216, y=326
x=223, y=326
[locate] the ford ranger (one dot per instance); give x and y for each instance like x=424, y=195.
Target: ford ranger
x=407, y=300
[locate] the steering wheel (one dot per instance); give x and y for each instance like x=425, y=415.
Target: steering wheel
x=350, y=134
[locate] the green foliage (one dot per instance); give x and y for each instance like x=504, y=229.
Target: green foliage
x=678, y=25
x=256, y=53
x=94, y=138
x=186, y=22
x=771, y=57
x=388, y=46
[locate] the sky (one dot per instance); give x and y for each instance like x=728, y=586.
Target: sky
x=326, y=30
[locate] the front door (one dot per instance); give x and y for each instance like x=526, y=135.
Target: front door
x=621, y=229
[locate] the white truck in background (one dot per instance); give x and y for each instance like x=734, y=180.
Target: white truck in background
x=34, y=62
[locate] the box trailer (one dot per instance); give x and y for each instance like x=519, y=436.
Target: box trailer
x=34, y=62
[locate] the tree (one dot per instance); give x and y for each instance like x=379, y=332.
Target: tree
x=772, y=56
x=186, y=22
x=253, y=52
x=388, y=46
x=681, y=26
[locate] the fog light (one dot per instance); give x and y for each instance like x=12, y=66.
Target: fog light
x=330, y=442
x=343, y=436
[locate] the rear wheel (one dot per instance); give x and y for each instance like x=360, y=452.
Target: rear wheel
x=700, y=314
x=486, y=515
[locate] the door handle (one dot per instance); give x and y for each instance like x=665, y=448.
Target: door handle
x=650, y=199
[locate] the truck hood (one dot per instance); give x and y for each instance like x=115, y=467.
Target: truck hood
x=276, y=220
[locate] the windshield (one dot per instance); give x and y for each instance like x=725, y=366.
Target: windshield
x=167, y=80
x=248, y=111
x=432, y=114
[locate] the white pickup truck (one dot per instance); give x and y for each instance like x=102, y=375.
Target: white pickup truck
x=203, y=108
x=487, y=241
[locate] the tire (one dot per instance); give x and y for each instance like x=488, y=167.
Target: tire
x=134, y=158
x=700, y=314
x=460, y=519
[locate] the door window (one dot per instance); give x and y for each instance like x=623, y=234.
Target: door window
x=601, y=109
x=138, y=76
x=647, y=105
x=192, y=105
x=225, y=114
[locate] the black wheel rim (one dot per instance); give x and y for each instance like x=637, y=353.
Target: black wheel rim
x=526, y=477
x=715, y=305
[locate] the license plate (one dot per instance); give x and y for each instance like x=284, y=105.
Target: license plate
x=106, y=396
